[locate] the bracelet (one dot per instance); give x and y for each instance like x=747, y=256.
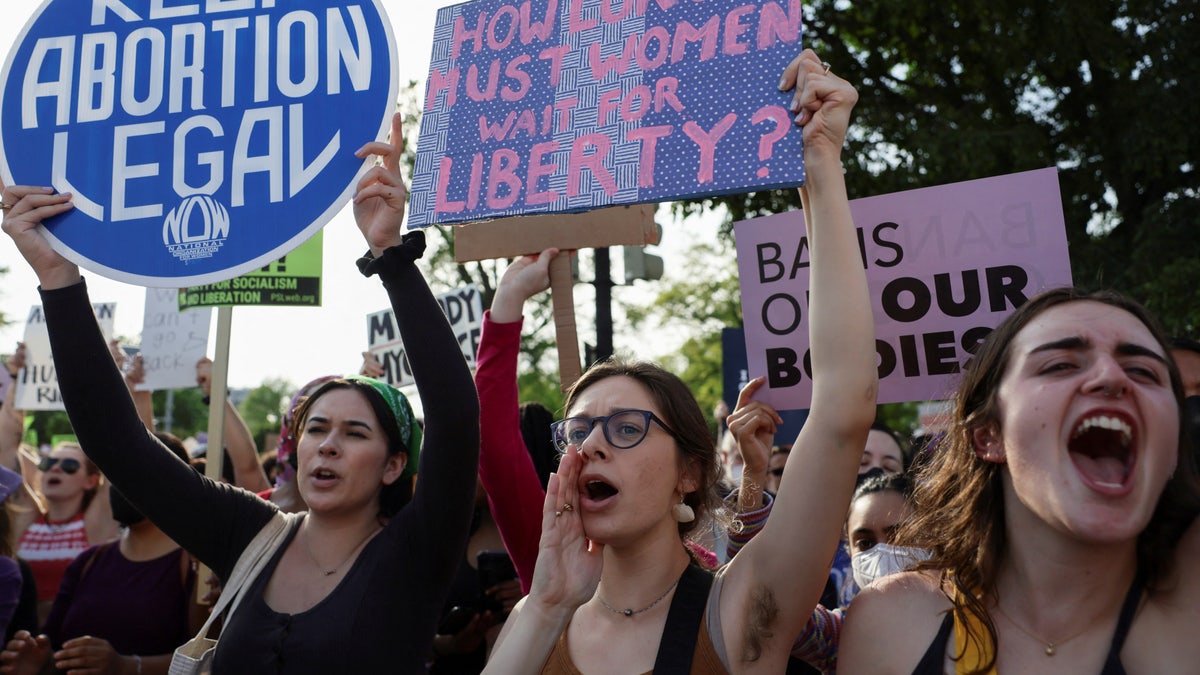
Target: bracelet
x=138, y=659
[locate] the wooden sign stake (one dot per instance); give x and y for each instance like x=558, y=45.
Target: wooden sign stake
x=530, y=235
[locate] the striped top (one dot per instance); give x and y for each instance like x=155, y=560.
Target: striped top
x=48, y=548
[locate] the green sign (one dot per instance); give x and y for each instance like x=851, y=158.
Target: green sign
x=294, y=281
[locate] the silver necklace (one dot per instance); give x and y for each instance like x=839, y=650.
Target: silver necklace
x=332, y=571
x=631, y=612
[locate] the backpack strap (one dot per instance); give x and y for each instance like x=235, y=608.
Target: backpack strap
x=679, y=635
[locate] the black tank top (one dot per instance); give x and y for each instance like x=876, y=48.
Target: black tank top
x=931, y=662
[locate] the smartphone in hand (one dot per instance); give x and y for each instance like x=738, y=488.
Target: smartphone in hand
x=494, y=567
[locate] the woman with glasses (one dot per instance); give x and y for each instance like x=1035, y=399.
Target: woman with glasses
x=358, y=582
x=72, y=519
x=615, y=590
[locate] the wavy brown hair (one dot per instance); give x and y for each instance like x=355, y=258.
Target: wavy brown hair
x=959, y=501
x=682, y=413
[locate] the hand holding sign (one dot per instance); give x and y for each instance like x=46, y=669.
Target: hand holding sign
x=822, y=103
x=525, y=277
x=27, y=208
x=379, y=202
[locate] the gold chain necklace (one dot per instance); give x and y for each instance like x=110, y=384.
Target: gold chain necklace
x=332, y=571
x=1051, y=646
x=631, y=612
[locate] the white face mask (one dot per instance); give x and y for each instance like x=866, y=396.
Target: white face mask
x=883, y=559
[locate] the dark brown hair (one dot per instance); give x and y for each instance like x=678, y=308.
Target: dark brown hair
x=682, y=413
x=959, y=500
x=392, y=497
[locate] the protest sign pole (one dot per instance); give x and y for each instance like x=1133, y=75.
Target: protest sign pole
x=218, y=392
x=562, y=295
x=529, y=235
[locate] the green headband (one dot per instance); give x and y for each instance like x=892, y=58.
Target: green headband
x=410, y=431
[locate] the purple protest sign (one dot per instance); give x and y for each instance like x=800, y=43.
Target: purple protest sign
x=945, y=265
x=536, y=106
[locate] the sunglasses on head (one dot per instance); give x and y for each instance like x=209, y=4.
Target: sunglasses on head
x=68, y=464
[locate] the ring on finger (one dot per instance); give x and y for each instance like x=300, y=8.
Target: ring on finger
x=826, y=66
x=557, y=514
x=5, y=206
x=568, y=507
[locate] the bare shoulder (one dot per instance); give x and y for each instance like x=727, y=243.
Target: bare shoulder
x=891, y=624
x=1162, y=636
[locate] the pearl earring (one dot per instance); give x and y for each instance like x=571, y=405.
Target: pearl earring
x=682, y=512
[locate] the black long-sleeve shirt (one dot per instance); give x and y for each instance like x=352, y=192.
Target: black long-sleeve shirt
x=382, y=616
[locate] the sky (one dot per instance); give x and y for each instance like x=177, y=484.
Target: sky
x=295, y=344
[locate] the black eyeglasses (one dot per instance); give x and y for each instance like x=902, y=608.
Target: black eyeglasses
x=68, y=465
x=622, y=430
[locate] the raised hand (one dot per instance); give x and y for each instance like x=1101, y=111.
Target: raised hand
x=381, y=196
x=16, y=360
x=204, y=375
x=525, y=277
x=371, y=367
x=753, y=425
x=821, y=103
x=24, y=208
x=135, y=371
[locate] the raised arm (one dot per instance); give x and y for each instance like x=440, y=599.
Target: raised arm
x=211, y=521
x=12, y=420
x=439, y=515
x=505, y=468
x=135, y=374
x=248, y=473
x=787, y=565
x=753, y=424
x=567, y=574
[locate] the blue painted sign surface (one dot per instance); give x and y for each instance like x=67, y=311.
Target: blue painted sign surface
x=200, y=139
x=569, y=105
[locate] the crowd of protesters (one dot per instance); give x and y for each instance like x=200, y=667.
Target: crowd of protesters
x=1047, y=527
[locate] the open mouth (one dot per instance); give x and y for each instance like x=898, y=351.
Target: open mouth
x=598, y=490
x=324, y=474
x=1101, y=447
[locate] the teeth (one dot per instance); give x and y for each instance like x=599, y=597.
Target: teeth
x=1106, y=422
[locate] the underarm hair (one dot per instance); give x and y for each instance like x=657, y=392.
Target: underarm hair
x=762, y=614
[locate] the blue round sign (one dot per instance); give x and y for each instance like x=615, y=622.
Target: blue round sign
x=200, y=139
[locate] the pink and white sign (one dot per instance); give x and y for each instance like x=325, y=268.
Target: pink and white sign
x=945, y=265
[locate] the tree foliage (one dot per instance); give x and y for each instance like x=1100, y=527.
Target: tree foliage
x=698, y=305
x=263, y=408
x=189, y=414
x=967, y=89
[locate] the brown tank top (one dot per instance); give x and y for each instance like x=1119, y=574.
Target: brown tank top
x=704, y=660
